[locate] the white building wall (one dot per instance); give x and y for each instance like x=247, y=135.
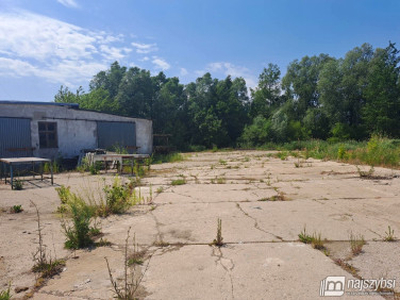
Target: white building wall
x=76, y=129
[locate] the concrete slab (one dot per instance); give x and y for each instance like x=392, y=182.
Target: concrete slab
x=262, y=258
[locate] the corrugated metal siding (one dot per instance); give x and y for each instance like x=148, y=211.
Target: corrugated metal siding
x=110, y=134
x=15, y=137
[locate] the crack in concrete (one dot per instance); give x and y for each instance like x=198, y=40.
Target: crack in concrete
x=160, y=236
x=352, y=219
x=256, y=223
x=227, y=269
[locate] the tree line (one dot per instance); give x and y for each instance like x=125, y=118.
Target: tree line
x=319, y=97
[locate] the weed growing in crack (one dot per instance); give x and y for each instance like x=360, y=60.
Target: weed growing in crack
x=16, y=209
x=181, y=181
x=161, y=244
x=269, y=179
x=6, y=294
x=317, y=242
x=347, y=267
x=299, y=163
x=196, y=179
x=366, y=175
x=131, y=281
x=218, y=241
x=356, y=244
x=218, y=180
x=222, y=162
x=389, y=235
x=43, y=263
x=103, y=243
x=304, y=237
x=136, y=257
x=280, y=196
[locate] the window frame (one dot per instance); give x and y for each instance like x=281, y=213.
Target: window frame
x=49, y=143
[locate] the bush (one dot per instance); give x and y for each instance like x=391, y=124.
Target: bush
x=256, y=134
x=119, y=198
x=78, y=234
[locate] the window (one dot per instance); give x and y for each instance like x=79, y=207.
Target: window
x=48, y=135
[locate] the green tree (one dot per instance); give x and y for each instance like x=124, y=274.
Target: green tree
x=135, y=93
x=109, y=80
x=355, y=70
x=381, y=112
x=266, y=97
x=301, y=80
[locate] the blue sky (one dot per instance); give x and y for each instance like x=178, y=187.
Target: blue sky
x=48, y=43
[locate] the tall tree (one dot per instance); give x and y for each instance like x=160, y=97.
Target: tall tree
x=266, y=97
x=381, y=112
x=301, y=80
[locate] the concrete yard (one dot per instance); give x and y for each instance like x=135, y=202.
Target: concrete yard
x=262, y=257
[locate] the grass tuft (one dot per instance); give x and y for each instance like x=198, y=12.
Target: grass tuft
x=6, y=294
x=356, y=244
x=180, y=181
x=389, y=235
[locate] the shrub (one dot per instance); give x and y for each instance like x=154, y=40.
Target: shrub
x=119, y=197
x=95, y=168
x=78, y=234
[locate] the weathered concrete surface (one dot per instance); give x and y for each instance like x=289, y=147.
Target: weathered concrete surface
x=262, y=258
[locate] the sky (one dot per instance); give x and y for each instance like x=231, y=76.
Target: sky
x=48, y=43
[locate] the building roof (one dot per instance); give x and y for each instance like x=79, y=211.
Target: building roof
x=71, y=105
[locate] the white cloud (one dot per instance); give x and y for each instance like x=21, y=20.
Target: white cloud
x=183, y=72
x=160, y=63
x=68, y=3
x=36, y=45
x=226, y=68
x=142, y=48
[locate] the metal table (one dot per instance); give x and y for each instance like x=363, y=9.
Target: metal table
x=119, y=157
x=20, y=161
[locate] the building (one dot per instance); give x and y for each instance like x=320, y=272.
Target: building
x=47, y=129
